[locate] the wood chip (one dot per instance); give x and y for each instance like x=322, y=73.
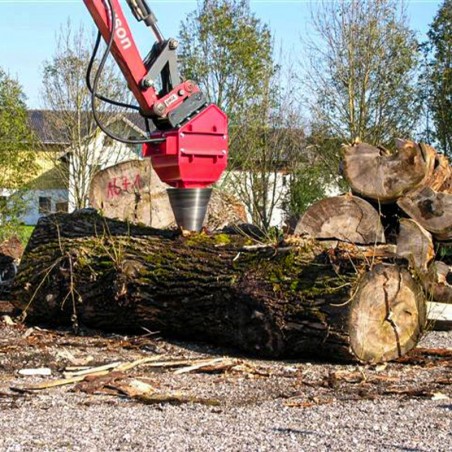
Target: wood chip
x=44, y=371
x=92, y=370
x=52, y=383
x=8, y=320
x=440, y=396
x=202, y=365
x=76, y=362
x=176, y=398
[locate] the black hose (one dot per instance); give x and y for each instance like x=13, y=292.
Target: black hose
x=96, y=82
x=88, y=79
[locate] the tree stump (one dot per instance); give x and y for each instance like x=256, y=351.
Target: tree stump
x=298, y=298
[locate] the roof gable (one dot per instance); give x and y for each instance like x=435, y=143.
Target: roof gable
x=44, y=124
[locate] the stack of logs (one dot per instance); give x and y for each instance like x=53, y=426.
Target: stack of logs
x=403, y=198
x=344, y=294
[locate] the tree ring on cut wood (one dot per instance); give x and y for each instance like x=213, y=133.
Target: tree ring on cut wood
x=346, y=218
x=387, y=315
x=379, y=175
x=431, y=209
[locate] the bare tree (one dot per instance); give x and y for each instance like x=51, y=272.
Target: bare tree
x=361, y=70
x=66, y=96
x=269, y=148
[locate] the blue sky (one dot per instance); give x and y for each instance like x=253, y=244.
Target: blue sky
x=28, y=29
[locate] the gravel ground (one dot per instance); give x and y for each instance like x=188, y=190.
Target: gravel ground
x=252, y=406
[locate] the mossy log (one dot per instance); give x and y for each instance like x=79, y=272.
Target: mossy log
x=295, y=299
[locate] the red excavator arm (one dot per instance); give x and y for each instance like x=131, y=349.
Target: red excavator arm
x=189, y=144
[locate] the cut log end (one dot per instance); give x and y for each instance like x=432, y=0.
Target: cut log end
x=431, y=209
x=346, y=218
x=387, y=316
x=415, y=244
x=375, y=174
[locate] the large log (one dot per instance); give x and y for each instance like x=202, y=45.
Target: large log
x=132, y=191
x=431, y=209
x=415, y=244
x=345, y=217
x=438, y=282
x=300, y=298
x=377, y=174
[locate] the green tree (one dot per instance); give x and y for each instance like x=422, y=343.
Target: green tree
x=17, y=156
x=228, y=51
x=439, y=76
x=361, y=70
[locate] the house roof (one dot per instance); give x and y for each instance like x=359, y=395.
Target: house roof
x=43, y=129
x=43, y=124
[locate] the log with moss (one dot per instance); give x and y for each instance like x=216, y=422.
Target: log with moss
x=297, y=298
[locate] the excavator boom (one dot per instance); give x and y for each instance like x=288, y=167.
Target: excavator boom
x=188, y=139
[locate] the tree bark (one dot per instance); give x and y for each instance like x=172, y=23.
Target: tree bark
x=346, y=217
x=299, y=298
x=376, y=174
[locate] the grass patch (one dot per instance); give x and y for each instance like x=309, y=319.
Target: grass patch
x=24, y=233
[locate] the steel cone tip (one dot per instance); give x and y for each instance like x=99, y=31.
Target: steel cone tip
x=189, y=206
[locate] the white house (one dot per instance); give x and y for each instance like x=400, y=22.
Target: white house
x=65, y=171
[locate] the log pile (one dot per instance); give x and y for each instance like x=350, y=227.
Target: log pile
x=404, y=198
x=352, y=288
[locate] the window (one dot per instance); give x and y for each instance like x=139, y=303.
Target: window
x=61, y=206
x=45, y=205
